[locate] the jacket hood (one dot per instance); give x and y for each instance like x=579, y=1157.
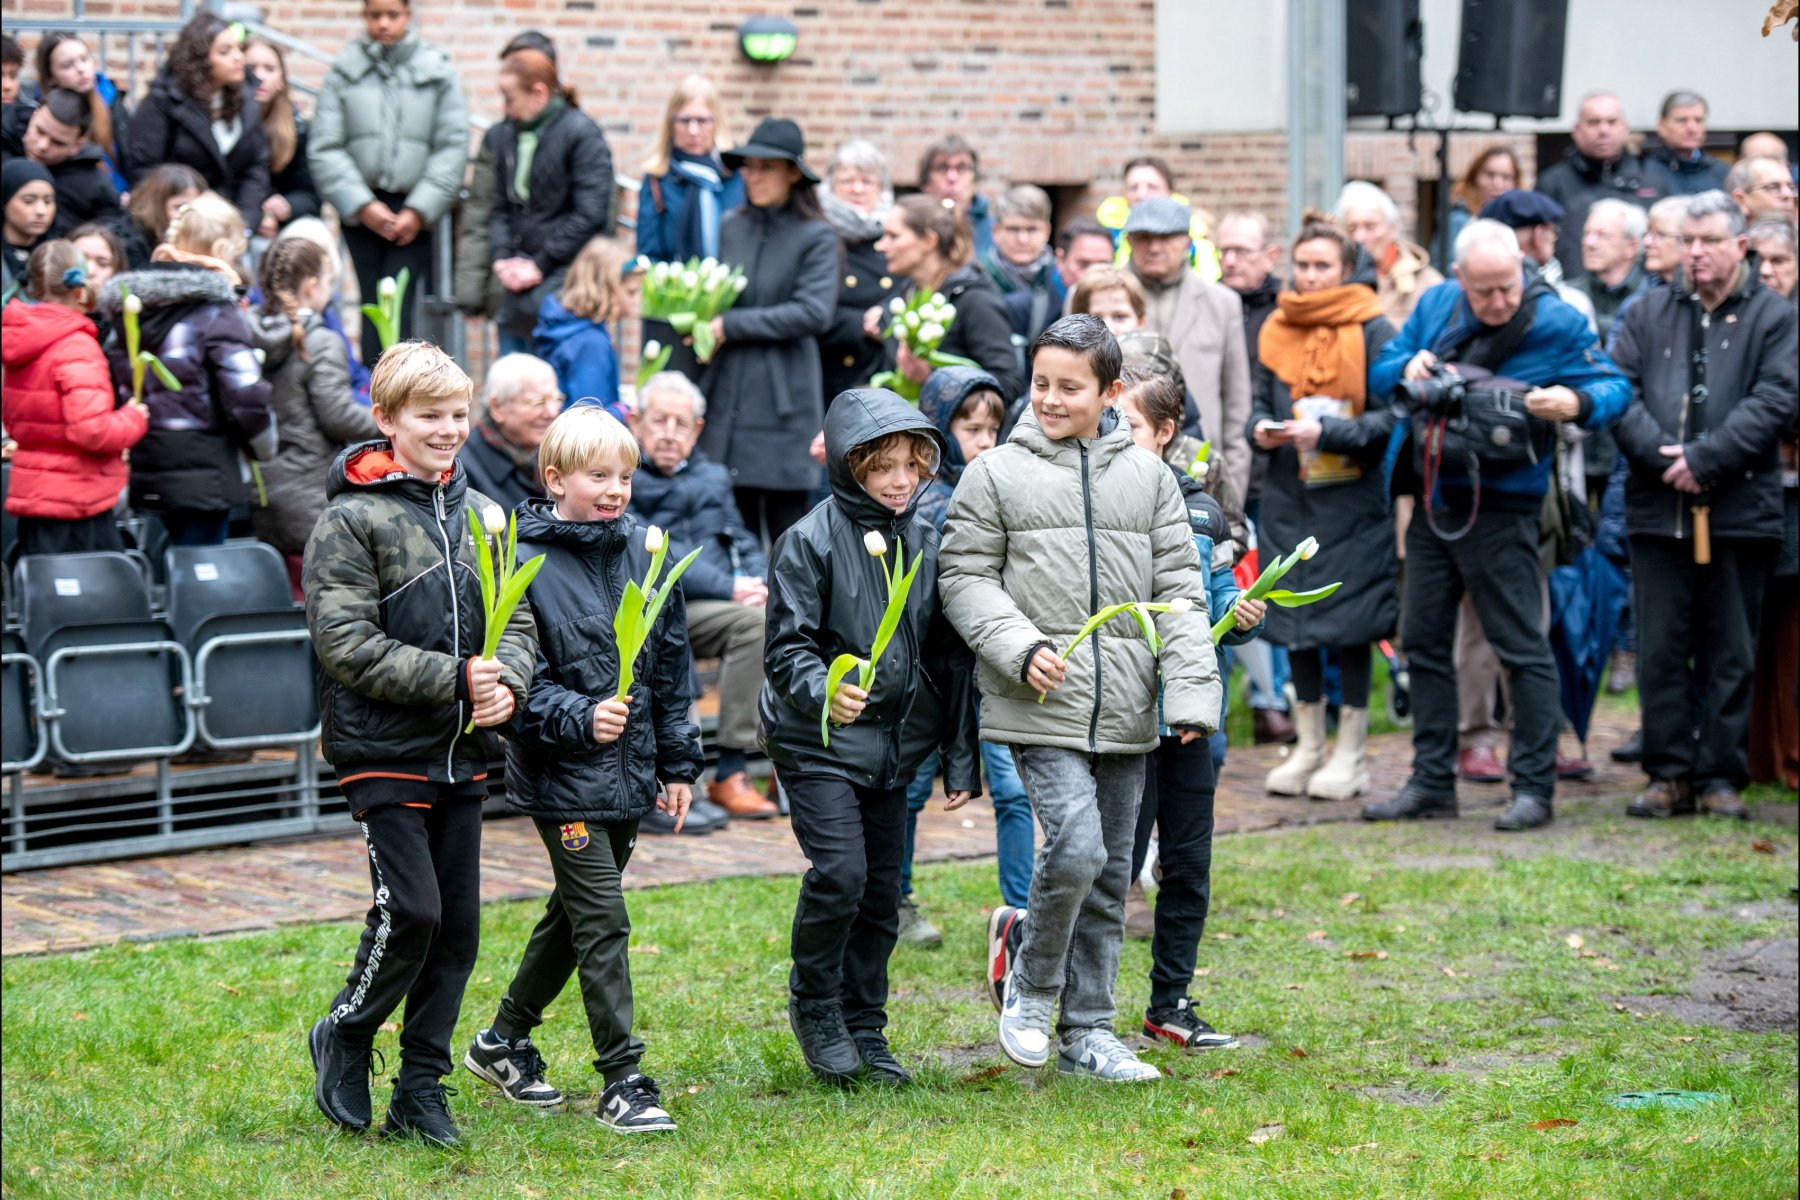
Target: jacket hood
x=859, y=416
x=370, y=466
x=557, y=324
x=940, y=396
x=164, y=285
x=30, y=329
x=273, y=334
x=539, y=522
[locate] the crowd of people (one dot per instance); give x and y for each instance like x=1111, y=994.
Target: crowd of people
x=1597, y=382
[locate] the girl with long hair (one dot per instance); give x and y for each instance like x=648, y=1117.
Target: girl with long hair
x=292, y=194
x=604, y=284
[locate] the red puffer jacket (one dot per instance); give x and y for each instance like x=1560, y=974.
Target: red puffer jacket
x=59, y=409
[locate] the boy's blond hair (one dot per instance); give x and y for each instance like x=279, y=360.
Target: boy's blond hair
x=585, y=434
x=412, y=374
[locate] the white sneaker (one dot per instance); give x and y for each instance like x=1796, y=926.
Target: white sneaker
x=1025, y=1024
x=1097, y=1054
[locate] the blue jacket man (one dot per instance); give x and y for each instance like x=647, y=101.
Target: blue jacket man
x=1476, y=528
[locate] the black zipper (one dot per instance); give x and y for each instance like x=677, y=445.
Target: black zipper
x=1087, y=506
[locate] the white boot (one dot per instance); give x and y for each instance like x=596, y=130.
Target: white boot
x=1346, y=775
x=1305, y=757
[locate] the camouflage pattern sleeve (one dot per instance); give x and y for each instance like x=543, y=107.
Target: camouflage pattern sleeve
x=343, y=613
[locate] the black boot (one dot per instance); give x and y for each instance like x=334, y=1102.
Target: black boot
x=884, y=1068
x=1412, y=804
x=825, y=1043
x=1527, y=812
x=423, y=1113
x=1631, y=750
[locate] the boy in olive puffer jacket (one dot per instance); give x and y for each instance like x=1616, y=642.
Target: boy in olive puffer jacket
x=394, y=605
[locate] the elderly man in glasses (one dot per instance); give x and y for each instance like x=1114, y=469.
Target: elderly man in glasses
x=518, y=402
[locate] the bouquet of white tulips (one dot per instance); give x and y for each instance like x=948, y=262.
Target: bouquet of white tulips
x=641, y=604
x=920, y=323
x=503, y=583
x=1140, y=612
x=899, y=583
x=689, y=295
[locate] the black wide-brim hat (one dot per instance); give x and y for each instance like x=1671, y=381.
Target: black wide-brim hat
x=775, y=137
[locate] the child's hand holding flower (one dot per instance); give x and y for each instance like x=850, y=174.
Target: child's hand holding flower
x=609, y=719
x=847, y=703
x=493, y=702
x=1250, y=613
x=1047, y=671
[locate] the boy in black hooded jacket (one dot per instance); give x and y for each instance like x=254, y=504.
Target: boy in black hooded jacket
x=585, y=767
x=827, y=596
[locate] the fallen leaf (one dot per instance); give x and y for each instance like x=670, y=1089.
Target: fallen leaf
x=1354, y=1149
x=694, y=1089
x=1177, y=1194
x=227, y=987
x=1296, y=1052
x=646, y=949
x=1574, y=941
x=1264, y=1133
x=1224, y=937
x=1349, y=898
x=1278, y=913
x=1448, y=971
x=1203, y=971
x=1222, y=1073
x=1553, y=1123
x=393, y=1026
x=986, y=1073
x=1317, y=935
x=78, y=1015
x=530, y=1192
x=1365, y=954
x=1617, y=1007
x=1191, y=1143
x=1684, y=1039
x=1294, y=987
x=1763, y=846
x=621, y=1164
x=1689, y=1140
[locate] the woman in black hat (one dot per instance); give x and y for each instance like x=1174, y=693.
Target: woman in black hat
x=765, y=395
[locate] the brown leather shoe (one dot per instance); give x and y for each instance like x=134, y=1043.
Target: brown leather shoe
x=1724, y=801
x=1479, y=764
x=1272, y=726
x=735, y=795
x=1663, y=798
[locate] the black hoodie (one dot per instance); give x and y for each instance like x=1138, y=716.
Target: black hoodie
x=1577, y=181
x=84, y=189
x=554, y=768
x=826, y=598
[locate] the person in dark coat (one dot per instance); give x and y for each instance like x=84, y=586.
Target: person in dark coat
x=856, y=202
x=1678, y=162
x=187, y=467
x=292, y=194
x=1711, y=361
x=553, y=179
x=201, y=111
x=929, y=243
x=1023, y=266
x=54, y=134
x=1324, y=436
x=848, y=796
x=1598, y=164
x=29, y=196
x=64, y=61
x=687, y=191
x=763, y=385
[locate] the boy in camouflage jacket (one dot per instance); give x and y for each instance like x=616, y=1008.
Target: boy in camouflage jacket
x=393, y=601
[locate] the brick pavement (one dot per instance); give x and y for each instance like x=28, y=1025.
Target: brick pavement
x=212, y=892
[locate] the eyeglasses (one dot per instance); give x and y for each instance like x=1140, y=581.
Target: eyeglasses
x=953, y=166
x=1239, y=251
x=694, y=122
x=1776, y=187
x=554, y=401
x=670, y=422
x=1035, y=229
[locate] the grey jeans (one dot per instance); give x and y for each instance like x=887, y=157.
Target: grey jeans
x=733, y=632
x=1075, y=923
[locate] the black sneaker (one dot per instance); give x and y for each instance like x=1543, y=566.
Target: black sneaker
x=1184, y=1027
x=341, y=1073
x=1526, y=812
x=824, y=1041
x=633, y=1106
x=422, y=1113
x=515, y=1067
x=883, y=1067
x=1412, y=804
x=1006, y=929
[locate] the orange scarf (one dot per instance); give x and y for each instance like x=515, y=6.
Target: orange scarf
x=1314, y=343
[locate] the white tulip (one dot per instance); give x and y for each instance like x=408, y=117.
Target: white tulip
x=1181, y=604
x=1308, y=548
x=652, y=349
x=933, y=333
x=874, y=543
x=739, y=284
x=690, y=280
x=654, y=539
x=895, y=306
x=134, y=305
x=493, y=520
x=385, y=289
x=912, y=320
x=938, y=298
x=708, y=264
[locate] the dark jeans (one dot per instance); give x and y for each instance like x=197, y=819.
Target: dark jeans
x=584, y=929
x=1496, y=565
x=768, y=513
x=847, y=920
x=190, y=528
x=422, y=932
x=1178, y=802
x=376, y=258
x=1697, y=629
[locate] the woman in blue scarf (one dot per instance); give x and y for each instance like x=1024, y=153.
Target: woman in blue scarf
x=686, y=192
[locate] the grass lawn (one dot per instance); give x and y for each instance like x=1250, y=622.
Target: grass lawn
x=1417, y=1003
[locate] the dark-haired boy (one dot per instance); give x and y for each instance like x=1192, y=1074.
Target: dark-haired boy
x=1065, y=519
x=54, y=134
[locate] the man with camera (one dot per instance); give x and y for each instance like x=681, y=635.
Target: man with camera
x=1485, y=367
x=1711, y=363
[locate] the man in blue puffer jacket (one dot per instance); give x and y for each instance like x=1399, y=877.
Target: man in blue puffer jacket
x=1476, y=531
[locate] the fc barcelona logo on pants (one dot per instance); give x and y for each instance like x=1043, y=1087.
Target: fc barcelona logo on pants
x=575, y=837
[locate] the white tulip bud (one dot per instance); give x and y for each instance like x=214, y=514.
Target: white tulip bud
x=933, y=333
x=708, y=264
x=690, y=280
x=385, y=289
x=654, y=539
x=874, y=543
x=1198, y=469
x=1181, y=604
x=912, y=320
x=895, y=306
x=652, y=348
x=493, y=520
x=739, y=284
x=938, y=298
x=134, y=305
x=1308, y=548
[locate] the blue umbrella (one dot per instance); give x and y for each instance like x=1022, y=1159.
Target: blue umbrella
x=1586, y=598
